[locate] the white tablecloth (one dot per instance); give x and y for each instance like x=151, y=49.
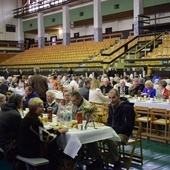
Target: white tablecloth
x=59, y=95
x=19, y=91
x=152, y=104
x=72, y=141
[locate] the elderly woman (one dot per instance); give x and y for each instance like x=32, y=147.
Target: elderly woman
x=95, y=94
x=163, y=89
x=51, y=102
x=64, y=106
x=149, y=91
x=29, y=143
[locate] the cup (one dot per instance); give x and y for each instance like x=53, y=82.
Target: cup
x=151, y=99
x=80, y=126
x=84, y=124
x=139, y=98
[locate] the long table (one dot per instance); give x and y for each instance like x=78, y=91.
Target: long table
x=151, y=104
x=72, y=141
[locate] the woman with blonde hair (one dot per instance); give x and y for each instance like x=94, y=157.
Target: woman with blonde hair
x=149, y=91
x=95, y=94
x=29, y=143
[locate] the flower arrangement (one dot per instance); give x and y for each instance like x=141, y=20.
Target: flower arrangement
x=88, y=112
x=89, y=109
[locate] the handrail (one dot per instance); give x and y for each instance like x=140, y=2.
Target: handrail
x=144, y=46
x=11, y=44
x=87, y=38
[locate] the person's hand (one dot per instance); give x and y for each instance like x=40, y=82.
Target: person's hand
x=63, y=130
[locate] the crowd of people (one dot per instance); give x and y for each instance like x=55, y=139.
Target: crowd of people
x=39, y=93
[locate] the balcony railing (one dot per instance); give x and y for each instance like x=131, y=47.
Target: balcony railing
x=41, y=5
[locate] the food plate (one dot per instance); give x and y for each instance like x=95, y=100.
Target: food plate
x=47, y=126
x=96, y=124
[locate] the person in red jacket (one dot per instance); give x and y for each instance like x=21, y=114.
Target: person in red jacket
x=165, y=91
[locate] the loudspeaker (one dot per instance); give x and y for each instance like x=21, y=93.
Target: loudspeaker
x=76, y=35
x=109, y=30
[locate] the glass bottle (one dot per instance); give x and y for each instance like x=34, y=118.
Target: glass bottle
x=79, y=117
x=139, y=93
x=49, y=114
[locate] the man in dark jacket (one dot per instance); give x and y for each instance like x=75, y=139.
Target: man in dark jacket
x=29, y=94
x=39, y=84
x=123, y=89
x=10, y=120
x=121, y=119
x=84, y=91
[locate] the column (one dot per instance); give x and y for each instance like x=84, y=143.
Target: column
x=20, y=34
x=137, y=10
x=66, y=25
x=97, y=21
x=41, y=30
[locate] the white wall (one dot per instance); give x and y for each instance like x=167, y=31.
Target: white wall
x=116, y=26
x=6, y=17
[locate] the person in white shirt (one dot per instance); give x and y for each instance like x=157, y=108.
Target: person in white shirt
x=74, y=83
x=95, y=94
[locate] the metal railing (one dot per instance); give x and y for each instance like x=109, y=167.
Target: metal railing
x=39, y=6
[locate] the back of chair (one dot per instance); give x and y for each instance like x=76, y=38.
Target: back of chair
x=157, y=113
x=102, y=110
x=141, y=110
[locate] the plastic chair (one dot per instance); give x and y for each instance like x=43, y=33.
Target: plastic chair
x=34, y=162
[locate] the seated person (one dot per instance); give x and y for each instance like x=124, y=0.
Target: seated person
x=149, y=91
x=79, y=102
x=2, y=99
x=134, y=90
x=29, y=143
x=51, y=102
x=8, y=94
x=64, y=106
x=163, y=89
x=84, y=91
x=106, y=87
x=121, y=119
x=95, y=94
x=10, y=120
x=29, y=93
x=123, y=89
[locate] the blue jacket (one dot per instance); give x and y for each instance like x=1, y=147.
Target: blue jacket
x=30, y=97
x=151, y=93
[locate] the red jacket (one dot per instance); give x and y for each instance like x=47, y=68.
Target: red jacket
x=166, y=94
